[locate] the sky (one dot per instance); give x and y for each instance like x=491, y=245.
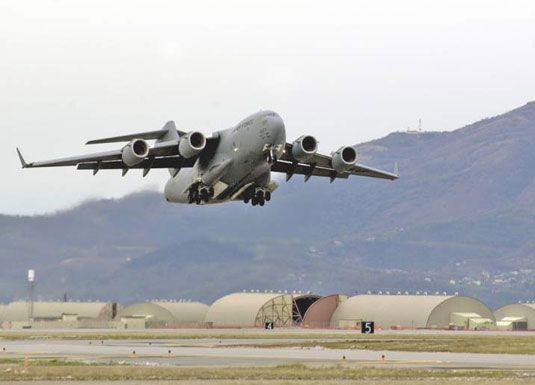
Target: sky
x=343, y=71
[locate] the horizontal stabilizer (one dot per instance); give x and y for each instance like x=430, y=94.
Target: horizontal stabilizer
x=148, y=135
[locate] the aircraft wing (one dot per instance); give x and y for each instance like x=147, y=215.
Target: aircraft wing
x=321, y=165
x=160, y=149
x=161, y=155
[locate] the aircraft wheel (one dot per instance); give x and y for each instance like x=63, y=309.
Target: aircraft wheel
x=211, y=191
x=262, y=202
x=254, y=201
x=205, y=195
x=268, y=196
x=192, y=196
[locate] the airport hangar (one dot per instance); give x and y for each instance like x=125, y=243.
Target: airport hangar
x=58, y=313
x=74, y=314
x=517, y=316
x=254, y=309
x=162, y=314
x=400, y=311
x=339, y=311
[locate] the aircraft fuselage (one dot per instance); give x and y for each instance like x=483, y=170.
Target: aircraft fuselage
x=242, y=161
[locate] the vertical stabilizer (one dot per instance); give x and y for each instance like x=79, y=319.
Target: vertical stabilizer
x=171, y=134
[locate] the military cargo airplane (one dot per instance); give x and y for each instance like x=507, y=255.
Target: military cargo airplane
x=231, y=164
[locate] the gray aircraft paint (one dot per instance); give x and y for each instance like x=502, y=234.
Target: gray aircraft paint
x=232, y=164
x=242, y=149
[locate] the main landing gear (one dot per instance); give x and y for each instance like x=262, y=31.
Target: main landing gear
x=200, y=194
x=257, y=196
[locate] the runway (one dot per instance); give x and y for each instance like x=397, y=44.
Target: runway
x=215, y=353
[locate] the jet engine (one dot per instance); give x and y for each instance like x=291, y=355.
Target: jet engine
x=344, y=158
x=134, y=152
x=304, y=148
x=191, y=144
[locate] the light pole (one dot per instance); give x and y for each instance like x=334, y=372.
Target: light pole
x=31, y=286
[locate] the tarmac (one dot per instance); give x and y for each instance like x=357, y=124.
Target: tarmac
x=211, y=352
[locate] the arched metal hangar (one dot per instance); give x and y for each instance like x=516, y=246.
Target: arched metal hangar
x=413, y=311
x=50, y=310
x=320, y=312
x=185, y=311
x=517, y=316
x=166, y=313
x=251, y=310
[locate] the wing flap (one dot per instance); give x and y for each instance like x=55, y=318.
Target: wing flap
x=308, y=170
x=167, y=162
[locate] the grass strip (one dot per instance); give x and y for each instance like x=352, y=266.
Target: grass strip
x=148, y=335
x=427, y=343
x=51, y=371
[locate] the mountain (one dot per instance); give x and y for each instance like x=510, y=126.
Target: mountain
x=460, y=219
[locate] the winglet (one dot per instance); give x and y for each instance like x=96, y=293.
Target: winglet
x=22, y=161
x=396, y=169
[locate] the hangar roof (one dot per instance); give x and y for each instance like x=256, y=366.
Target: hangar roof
x=149, y=310
x=184, y=312
x=407, y=310
x=242, y=309
x=167, y=311
x=523, y=310
x=18, y=311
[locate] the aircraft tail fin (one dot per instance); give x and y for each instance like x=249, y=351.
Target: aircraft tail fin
x=169, y=132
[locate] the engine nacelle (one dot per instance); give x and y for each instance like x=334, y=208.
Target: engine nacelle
x=191, y=144
x=304, y=148
x=344, y=158
x=134, y=152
